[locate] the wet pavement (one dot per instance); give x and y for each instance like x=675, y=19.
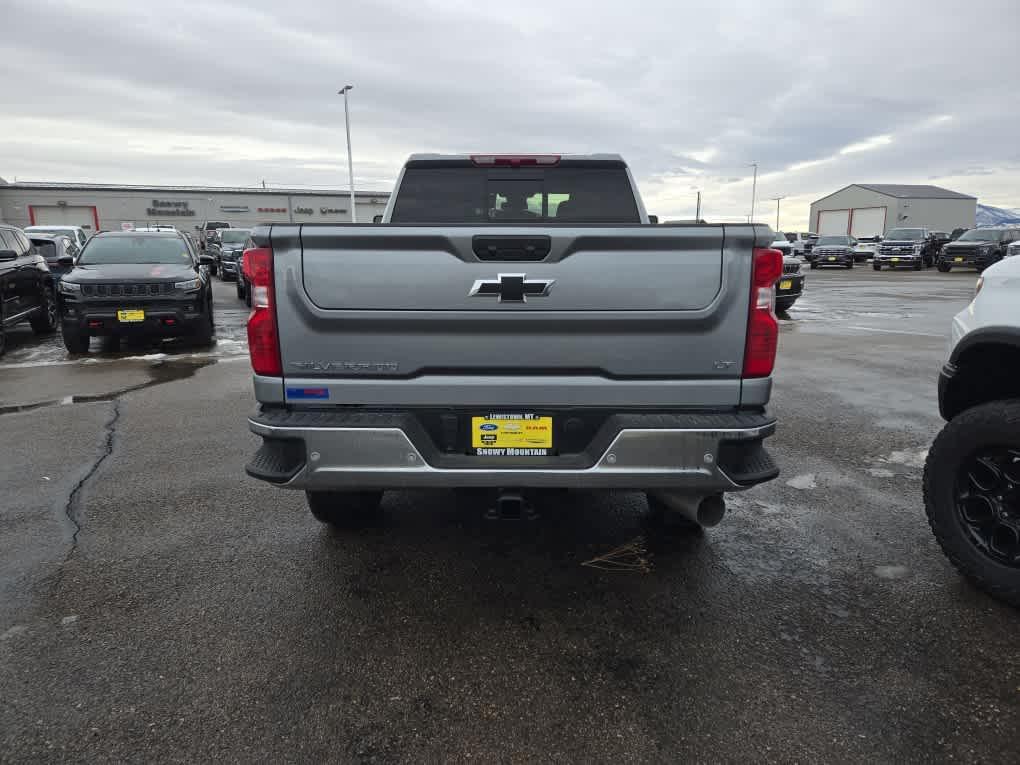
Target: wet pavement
x=155, y=604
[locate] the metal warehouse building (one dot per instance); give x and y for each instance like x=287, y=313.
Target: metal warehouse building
x=97, y=207
x=868, y=209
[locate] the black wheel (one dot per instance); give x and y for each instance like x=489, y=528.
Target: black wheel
x=784, y=304
x=247, y=294
x=204, y=335
x=876, y=266
x=972, y=496
x=943, y=267
x=240, y=288
x=3, y=338
x=213, y=270
x=45, y=322
x=345, y=509
x=814, y=265
x=917, y=265
x=850, y=264
x=75, y=340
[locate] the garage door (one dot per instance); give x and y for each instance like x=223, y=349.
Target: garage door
x=833, y=222
x=66, y=215
x=867, y=221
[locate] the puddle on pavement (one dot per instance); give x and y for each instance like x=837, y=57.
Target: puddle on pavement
x=25, y=349
x=159, y=372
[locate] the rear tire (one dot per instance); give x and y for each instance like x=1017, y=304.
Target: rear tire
x=46, y=321
x=814, y=265
x=240, y=288
x=850, y=264
x=918, y=265
x=944, y=268
x=877, y=266
x=784, y=305
x=345, y=509
x=3, y=338
x=75, y=340
x=972, y=433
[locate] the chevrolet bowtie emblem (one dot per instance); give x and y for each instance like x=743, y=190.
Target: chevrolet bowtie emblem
x=511, y=288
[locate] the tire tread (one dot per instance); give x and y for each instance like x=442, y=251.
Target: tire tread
x=944, y=450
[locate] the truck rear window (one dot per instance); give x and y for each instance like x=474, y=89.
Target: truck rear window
x=526, y=195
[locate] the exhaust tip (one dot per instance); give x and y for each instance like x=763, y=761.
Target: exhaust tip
x=711, y=510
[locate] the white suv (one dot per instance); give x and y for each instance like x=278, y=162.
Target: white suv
x=972, y=474
x=77, y=233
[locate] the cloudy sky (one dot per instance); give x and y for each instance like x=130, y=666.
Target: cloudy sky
x=820, y=93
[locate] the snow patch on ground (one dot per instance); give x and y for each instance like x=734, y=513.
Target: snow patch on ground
x=881, y=472
x=803, y=482
x=891, y=572
x=909, y=457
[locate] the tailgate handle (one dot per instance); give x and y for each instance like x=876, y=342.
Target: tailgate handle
x=511, y=248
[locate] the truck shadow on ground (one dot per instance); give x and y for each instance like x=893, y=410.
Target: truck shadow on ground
x=425, y=544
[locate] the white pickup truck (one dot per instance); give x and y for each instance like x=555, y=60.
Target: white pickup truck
x=515, y=323
x=972, y=473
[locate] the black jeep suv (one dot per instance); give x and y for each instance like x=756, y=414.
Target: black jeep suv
x=977, y=248
x=131, y=283
x=26, y=286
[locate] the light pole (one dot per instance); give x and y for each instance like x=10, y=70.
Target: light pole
x=777, y=210
x=697, y=211
x=350, y=159
x=754, y=191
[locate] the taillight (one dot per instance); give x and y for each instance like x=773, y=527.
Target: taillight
x=514, y=160
x=263, y=338
x=762, y=325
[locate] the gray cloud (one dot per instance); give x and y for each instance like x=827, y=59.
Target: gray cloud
x=819, y=94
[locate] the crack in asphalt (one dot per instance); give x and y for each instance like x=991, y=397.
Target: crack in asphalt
x=72, y=508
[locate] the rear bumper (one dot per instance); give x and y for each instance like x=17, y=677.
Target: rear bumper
x=701, y=453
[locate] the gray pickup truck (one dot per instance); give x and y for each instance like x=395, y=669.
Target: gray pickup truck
x=515, y=323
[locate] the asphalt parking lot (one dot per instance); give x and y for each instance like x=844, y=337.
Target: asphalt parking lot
x=156, y=604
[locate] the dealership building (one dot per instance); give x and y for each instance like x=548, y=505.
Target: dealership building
x=99, y=207
x=874, y=208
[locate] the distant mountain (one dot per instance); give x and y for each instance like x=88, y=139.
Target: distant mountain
x=996, y=216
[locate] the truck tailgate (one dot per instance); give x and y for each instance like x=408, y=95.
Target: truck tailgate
x=437, y=315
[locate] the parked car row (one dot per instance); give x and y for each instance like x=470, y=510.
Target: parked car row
x=117, y=284
x=915, y=248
